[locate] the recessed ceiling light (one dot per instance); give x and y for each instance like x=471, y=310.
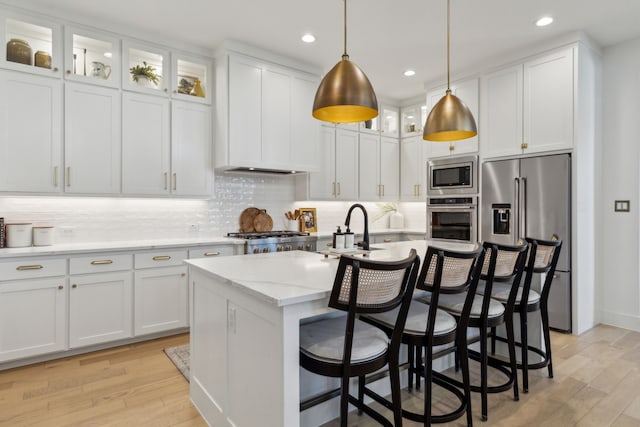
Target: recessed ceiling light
x=409, y=73
x=308, y=38
x=544, y=21
x=108, y=54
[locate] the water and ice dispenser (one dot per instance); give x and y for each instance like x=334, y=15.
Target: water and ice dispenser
x=501, y=214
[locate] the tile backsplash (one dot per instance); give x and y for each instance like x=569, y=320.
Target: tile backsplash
x=88, y=219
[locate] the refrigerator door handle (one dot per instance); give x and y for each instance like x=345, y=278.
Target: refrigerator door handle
x=523, y=207
x=516, y=210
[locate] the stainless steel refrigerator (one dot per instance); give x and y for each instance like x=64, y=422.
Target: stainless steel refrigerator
x=531, y=197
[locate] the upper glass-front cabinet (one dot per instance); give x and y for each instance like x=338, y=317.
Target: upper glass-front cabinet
x=31, y=44
x=413, y=119
x=191, y=79
x=386, y=122
x=91, y=57
x=145, y=68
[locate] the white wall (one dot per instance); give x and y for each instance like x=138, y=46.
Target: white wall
x=618, y=254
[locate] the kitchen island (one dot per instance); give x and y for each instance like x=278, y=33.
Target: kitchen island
x=247, y=312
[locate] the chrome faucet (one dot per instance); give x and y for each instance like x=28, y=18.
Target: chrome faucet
x=365, y=242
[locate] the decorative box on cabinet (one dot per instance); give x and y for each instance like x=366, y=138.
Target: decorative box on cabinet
x=42, y=36
x=92, y=139
x=31, y=137
x=529, y=108
x=33, y=307
x=467, y=91
x=161, y=291
x=100, y=299
x=261, y=115
x=91, y=57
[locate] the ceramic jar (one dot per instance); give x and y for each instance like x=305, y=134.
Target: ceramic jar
x=18, y=235
x=43, y=235
x=42, y=59
x=19, y=51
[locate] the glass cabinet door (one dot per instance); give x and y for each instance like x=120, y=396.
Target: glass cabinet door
x=413, y=119
x=191, y=79
x=388, y=121
x=32, y=45
x=145, y=68
x=91, y=57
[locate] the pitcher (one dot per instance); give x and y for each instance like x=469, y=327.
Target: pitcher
x=98, y=69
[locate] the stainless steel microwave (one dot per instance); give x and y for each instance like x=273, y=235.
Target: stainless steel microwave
x=452, y=176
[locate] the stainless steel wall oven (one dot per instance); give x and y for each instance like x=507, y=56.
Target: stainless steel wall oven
x=452, y=219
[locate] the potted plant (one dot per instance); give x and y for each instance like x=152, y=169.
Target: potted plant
x=143, y=74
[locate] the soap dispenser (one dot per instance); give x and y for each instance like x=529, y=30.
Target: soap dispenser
x=338, y=239
x=349, y=239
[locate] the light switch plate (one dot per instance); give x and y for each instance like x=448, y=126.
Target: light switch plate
x=621, y=206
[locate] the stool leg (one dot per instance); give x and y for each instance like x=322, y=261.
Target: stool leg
x=412, y=366
x=512, y=355
x=396, y=400
x=361, y=383
x=483, y=371
x=525, y=349
x=428, y=386
x=464, y=365
x=493, y=340
x=419, y=365
x=344, y=402
x=544, y=314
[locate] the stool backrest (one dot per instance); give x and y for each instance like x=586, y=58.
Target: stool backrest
x=542, y=258
x=504, y=263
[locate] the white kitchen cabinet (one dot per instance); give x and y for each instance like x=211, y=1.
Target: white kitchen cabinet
x=529, y=108
x=91, y=57
x=385, y=123
x=387, y=238
x=161, y=298
x=186, y=69
x=467, y=92
x=146, y=167
x=42, y=36
x=33, y=317
x=137, y=54
x=337, y=178
x=92, y=139
x=161, y=291
x=262, y=120
x=191, y=149
x=100, y=299
x=413, y=169
x=412, y=119
x=379, y=167
x=30, y=133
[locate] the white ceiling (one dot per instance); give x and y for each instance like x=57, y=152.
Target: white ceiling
x=384, y=36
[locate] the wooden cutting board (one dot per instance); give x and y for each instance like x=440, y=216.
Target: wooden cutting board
x=246, y=219
x=263, y=222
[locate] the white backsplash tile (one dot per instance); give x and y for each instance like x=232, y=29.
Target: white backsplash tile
x=89, y=219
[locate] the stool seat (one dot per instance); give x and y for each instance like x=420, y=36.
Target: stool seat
x=417, y=320
x=325, y=340
x=501, y=292
x=454, y=303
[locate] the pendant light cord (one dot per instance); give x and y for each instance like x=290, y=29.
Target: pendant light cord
x=448, y=44
x=345, y=29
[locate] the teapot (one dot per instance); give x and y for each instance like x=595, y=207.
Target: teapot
x=98, y=69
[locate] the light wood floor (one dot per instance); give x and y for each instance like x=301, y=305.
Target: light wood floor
x=597, y=383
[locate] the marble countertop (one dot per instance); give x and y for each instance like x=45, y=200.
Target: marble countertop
x=112, y=246
x=284, y=278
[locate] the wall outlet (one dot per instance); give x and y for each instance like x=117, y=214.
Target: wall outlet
x=194, y=228
x=67, y=230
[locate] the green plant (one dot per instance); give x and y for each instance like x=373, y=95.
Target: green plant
x=144, y=70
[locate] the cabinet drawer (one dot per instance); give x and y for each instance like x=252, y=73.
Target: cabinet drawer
x=32, y=268
x=212, y=251
x=100, y=263
x=160, y=258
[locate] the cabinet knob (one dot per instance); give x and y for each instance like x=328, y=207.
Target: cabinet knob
x=524, y=145
x=74, y=286
x=452, y=147
x=68, y=71
x=166, y=90
x=175, y=91
x=55, y=69
x=60, y=287
x=183, y=274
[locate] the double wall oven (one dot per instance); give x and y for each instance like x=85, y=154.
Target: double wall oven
x=452, y=202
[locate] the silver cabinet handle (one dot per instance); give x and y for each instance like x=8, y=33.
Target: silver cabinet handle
x=68, y=176
x=101, y=262
x=29, y=267
x=211, y=253
x=382, y=190
x=55, y=176
x=334, y=189
x=339, y=189
x=523, y=208
x=161, y=257
x=165, y=180
x=175, y=181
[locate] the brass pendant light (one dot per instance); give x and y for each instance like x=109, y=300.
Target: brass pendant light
x=450, y=119
x=345, y=94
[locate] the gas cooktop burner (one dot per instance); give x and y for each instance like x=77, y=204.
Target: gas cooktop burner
x=267, y=234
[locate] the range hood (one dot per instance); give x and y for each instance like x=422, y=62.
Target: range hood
x=248, y=170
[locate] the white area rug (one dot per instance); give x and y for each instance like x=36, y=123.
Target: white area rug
x=180, y=357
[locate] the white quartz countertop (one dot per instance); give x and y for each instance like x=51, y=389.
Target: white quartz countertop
x=112, y=246
x=284, y=278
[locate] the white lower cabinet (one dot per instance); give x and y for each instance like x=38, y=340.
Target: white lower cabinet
x=161, y=292
x=33, y=317
x=161, y=299
x=100, y=308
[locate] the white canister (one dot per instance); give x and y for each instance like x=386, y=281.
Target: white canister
x=43, y=236
x=396, y=220
x=18, y=235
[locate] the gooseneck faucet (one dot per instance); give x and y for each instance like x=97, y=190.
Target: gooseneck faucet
x=365, y=242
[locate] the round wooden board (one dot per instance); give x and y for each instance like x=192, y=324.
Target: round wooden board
x=246, y=219
x=263, y=222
